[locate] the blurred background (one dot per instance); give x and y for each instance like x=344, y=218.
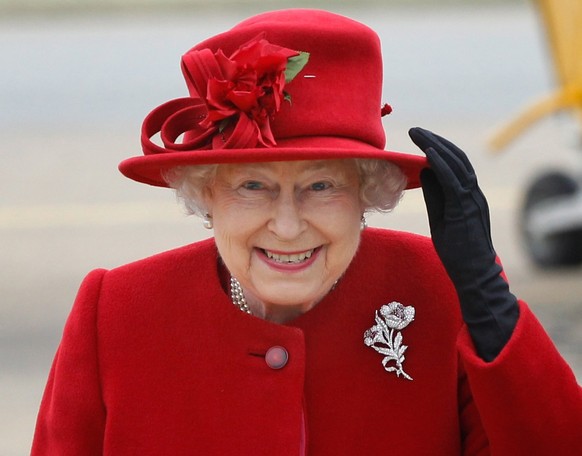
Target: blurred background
x=77, y=78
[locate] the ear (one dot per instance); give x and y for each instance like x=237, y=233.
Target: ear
x=207, y=199
x=207, y=192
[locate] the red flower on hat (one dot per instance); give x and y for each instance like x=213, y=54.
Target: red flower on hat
x=243, y=92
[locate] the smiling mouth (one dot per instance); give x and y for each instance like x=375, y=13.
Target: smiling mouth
x=292, y=258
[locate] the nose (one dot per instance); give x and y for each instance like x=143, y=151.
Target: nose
x=287, y=221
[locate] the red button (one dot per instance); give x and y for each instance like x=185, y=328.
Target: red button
x=276, y=357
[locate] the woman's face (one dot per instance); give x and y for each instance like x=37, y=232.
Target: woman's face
x=286, y=230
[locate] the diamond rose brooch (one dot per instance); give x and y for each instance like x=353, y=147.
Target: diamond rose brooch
x=386, y=337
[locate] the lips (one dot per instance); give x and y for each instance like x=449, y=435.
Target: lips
x=289, y=258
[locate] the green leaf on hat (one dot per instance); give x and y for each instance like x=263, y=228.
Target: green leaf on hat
x=294, y=65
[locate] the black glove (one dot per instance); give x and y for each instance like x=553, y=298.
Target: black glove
x=460, y=228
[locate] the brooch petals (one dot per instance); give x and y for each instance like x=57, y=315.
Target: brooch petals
x=386, y=338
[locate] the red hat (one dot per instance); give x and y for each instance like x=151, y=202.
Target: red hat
x=287, y=85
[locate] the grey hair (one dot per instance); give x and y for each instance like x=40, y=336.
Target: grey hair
x=382, y=184
x=190, y=183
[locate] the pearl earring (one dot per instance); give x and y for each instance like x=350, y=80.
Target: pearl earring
x=207, y=222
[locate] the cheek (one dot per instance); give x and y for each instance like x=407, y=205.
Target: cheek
x=234, y=236
x=343, y=230
x=230, y=235
x=348, y=243
x=233, y=253
x=344, y=218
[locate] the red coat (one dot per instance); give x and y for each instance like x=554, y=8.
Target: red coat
x=156, y=360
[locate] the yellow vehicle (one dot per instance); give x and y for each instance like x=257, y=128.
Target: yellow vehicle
x=551, y=215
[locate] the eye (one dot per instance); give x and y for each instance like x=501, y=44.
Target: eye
x=253, y=185
x=320, y=186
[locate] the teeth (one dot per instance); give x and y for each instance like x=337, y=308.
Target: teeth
x=294, y=258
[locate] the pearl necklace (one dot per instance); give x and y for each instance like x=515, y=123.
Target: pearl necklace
x=238, y=297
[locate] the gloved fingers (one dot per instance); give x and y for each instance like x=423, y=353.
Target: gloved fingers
x=456, y=178
x=421, y=137
x=458, y=194
x=482, y=211
x=461, y=202
x=448, y=181
x=453, y=157
x=434, y=197
x=446, y=144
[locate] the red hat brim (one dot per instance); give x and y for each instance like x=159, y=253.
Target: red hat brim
x=148, y=169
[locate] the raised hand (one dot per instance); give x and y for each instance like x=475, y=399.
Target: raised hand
x=461, y=233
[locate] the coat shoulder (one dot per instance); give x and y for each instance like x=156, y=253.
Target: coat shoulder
x=161, y=281
x=171, y=260
x=410, y=251
x=404, y=265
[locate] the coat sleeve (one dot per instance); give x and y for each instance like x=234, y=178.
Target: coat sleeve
x=71, y=419
x=528, y=397
x=474, y=440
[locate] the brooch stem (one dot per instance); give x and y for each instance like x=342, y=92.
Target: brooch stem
x=386, y=337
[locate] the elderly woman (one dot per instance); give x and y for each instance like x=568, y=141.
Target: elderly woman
x=297, y=330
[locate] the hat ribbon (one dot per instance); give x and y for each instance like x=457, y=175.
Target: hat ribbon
x=182, y=116
x=232, y=99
